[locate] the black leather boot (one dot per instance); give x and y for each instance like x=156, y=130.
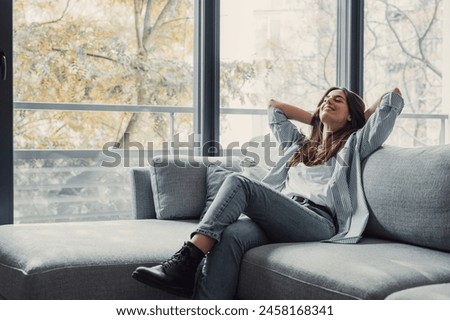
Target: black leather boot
x=175, y=275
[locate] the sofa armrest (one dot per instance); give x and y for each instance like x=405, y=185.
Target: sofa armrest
x=143, y=206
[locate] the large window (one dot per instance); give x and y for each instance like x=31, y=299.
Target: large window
x=285, y=50
x=404, y=47
x=130, y=77
x=93, y=75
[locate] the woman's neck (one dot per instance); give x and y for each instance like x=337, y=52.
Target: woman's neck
x=326, y=132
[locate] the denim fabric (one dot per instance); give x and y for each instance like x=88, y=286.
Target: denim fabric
x=218, y=276
x=274, y=218
x=215, y=176
x=281, y=218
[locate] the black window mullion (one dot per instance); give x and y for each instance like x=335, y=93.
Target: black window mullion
x=6, y=114
x=197, y=75
x=350, y=45
x=209, y=73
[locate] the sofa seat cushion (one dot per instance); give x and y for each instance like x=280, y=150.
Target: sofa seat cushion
x=372, y=269
x=85, y=260
x=431, y=292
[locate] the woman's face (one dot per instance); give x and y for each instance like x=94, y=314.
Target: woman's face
x=334, y=112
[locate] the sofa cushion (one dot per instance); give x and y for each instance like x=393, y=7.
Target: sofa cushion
x=372, y=269
x=264, y=150
x=252, y=170
x=178, y=188
x=431, y=292
x=85, y=260
x=179, y=185
x=407, y=190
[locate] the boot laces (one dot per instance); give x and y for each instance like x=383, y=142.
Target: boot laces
x=180, y=260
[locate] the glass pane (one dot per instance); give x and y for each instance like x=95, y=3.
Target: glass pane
x=285, y=50
x=242, y=128
x=91, y=77
x=404, y=48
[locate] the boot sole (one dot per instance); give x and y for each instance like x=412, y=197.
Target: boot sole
x=155, y=283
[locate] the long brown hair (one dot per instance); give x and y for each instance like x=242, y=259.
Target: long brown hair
x=310, y=152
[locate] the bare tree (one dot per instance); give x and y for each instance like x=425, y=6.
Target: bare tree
x=147, y=29
x=411, y=32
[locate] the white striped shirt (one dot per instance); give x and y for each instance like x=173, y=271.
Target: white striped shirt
x=348, y=202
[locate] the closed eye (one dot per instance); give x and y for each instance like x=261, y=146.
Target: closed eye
x=335, y=98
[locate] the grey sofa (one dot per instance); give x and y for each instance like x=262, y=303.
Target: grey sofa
x=405, y=253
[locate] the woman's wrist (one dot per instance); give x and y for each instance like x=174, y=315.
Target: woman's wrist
x=275, y=104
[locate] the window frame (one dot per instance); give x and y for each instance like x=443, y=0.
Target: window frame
x=6, y=114
x=206, y=80
x=350, y=45
x=208, y=75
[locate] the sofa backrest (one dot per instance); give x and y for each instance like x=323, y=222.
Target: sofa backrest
x=408, y=192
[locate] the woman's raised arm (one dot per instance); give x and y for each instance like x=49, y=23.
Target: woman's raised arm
x=292, y=112
x=380, y=124
x=375, y=105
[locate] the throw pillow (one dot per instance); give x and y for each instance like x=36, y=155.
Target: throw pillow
x=252, y=170
x=178, y=190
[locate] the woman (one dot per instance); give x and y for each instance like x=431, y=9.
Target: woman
x=313, y=193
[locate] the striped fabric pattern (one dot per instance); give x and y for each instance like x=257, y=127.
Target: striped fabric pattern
x=348, y=199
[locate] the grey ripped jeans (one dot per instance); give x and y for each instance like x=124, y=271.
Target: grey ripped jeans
x=274, y=217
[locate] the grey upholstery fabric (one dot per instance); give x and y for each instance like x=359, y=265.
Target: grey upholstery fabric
x=179, y=189
x=183, y=187
x=94, y=261
x=143, y=206
x=408, y=194
x=372, y=269
x=85, y=260
x=407, y=191
x=431, y=292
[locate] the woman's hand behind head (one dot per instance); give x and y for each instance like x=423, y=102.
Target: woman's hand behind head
x=397, y=91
